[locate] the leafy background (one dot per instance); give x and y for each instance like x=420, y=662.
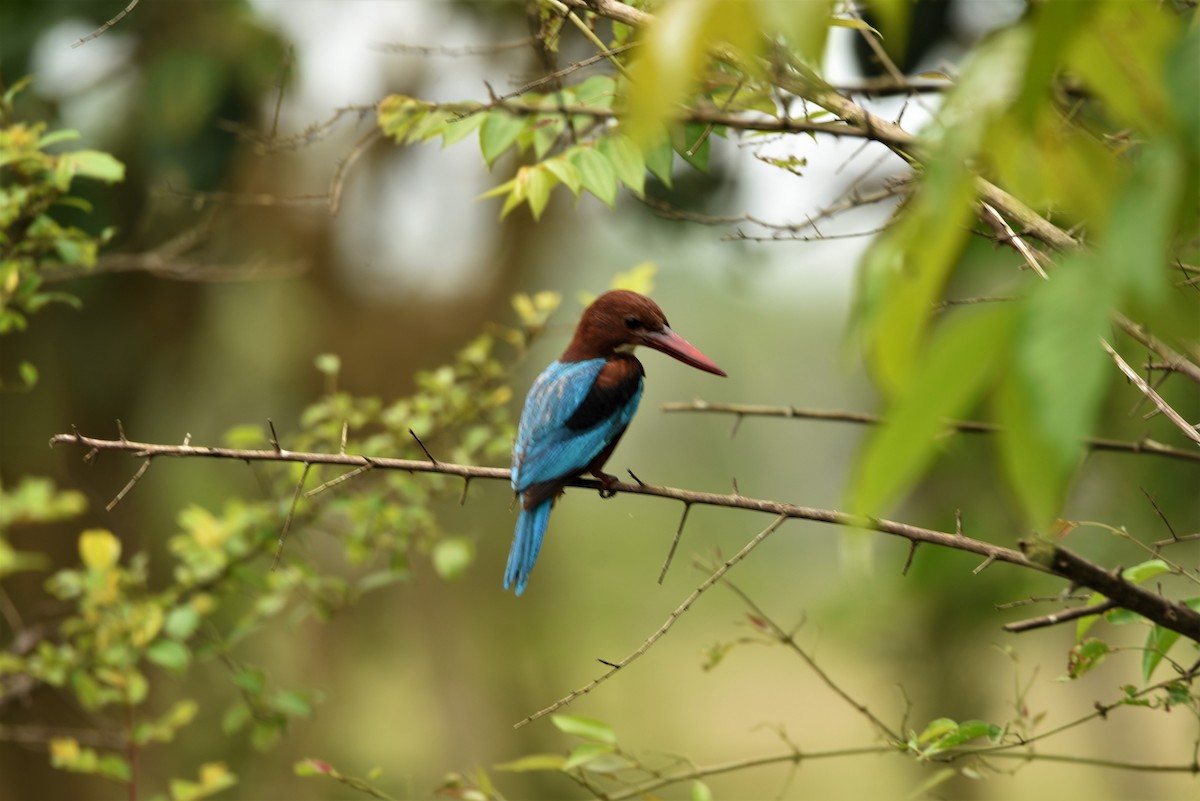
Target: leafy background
x=384, y=646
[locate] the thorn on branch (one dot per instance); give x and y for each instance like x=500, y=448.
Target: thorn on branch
x=422, y=444
x=125, y=490
x=274, y=436
x=675, y=542
x=605, y=662
x=958, y=522
x=287, y=523
x=121, y=431
x=912, y=551
x=345, y=437
x=985, y=564
x=462, y=499
x=633, y=475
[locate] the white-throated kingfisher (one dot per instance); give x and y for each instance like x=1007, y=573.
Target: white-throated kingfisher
x=578, y=409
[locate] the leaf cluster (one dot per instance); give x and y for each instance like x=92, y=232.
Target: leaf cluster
x=35, y=181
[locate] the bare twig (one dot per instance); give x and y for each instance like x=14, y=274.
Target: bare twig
x=104, y=28
x=663, y=629
x=1176, y=361
x=1059, y=561
x=1006, y=235
x=1054, y=618
x=1146, y=446
x=1187, y=428
x=788, y=638
x=287, y=523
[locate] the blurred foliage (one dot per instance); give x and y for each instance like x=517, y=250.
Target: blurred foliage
x=1105, y=147
x=35, y=182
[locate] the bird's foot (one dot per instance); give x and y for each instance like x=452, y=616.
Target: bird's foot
x=607, y=481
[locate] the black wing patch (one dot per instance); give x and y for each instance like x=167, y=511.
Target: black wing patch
x=616, y=384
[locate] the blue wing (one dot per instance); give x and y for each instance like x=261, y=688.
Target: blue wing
x=547, y=447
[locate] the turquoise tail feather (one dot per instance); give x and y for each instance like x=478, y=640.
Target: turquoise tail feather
x=527, y=542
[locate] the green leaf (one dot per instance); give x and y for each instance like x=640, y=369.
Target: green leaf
x=452, y=556
x=693, y=143
x=92, y=164
x=498, y=132
x=54, y=137
x=534, y=762
x=99, y=549
x=670, y=64
x=1056, y=346
x=904, y=270
x=1085, y=656
x=459, y=129
x=1144, y=571
x=182, y=622
x=170, y=654
x=598, y=90
x=626, y=160
x=1158, y=643
x=28, y=373
x=1135, y=247
x=328, y=364
x=700, y=791
x=962, y=733
x=587, y=752
x=938, y=727
x=538, y=183
x=566, y=172
x=252, y=680
x=236, y=717
x=587, y=728
x=659, y=160
x=292, y=703
x=596, y=174
x=963, y=356
x=1034, y=472
x=1133, y=85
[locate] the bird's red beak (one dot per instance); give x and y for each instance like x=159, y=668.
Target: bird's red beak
x=679, y=348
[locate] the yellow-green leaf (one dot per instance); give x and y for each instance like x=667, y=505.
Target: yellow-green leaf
x=99, y=549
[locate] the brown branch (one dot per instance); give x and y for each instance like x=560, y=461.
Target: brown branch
x=103, y=28
x=1006, y=235
x=1173, y=361
x=1112, y=585
x=1176, y=617
x=1146, y=446
x=1054, y=618
x=1183, y=425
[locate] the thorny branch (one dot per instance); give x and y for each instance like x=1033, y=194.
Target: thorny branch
x=1034, y=555
x=1146, y=446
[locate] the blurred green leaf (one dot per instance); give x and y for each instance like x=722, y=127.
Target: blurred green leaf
x=92, y=164
x=534, y=762
x=701, y=791
x=499, y=131
x=581, y=755
x=452, y=556
x=170, y=654
x=596, y=174
x=955, y=368
x=587, y=728
x=1086, y=655
x=627, y=161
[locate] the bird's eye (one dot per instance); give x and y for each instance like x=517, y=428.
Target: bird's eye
x=633, y=323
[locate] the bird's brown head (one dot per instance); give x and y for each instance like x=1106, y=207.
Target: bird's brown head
x=621, y=318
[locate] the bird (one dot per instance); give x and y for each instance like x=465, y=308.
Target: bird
x=579, y=407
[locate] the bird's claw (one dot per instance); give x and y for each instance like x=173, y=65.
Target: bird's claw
x=608, y=484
